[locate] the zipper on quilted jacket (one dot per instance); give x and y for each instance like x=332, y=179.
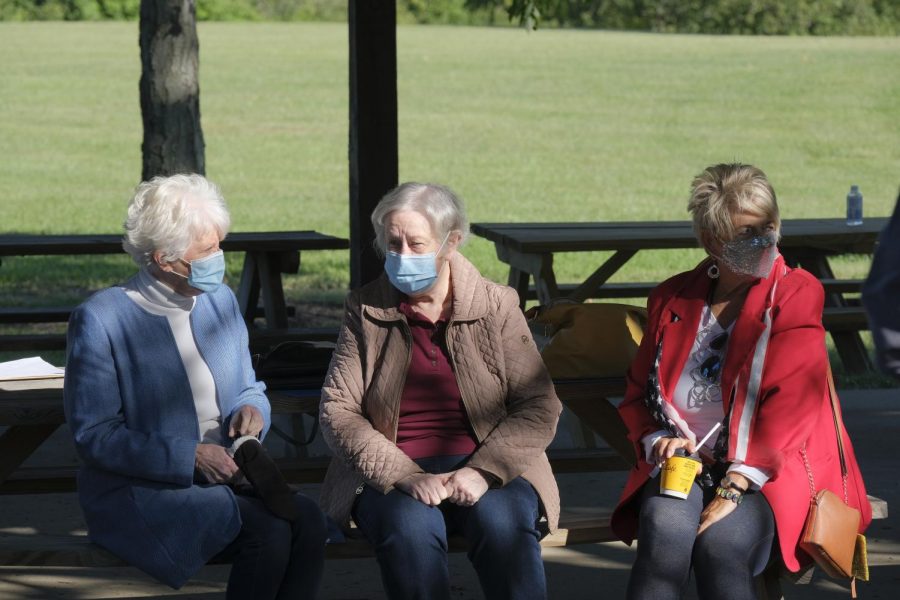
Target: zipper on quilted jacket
x=407, y=335
x=462, y=394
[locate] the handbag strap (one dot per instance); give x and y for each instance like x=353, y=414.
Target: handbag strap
x=837, y=427
x=832, y=394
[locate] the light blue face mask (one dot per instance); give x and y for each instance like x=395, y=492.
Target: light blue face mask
x=412, y=273
x=206, y=273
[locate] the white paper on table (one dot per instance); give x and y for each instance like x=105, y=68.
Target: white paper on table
x=33, y=367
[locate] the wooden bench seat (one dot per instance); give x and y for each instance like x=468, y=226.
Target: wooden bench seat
x=259, y=338
x=835, y=318
x=34, y=314
x=22, y=342
x=643, y=289
x=849, y=318
x=75, y=550
x=584, y=526
x=11, y=315
x=845, y=318
x=51, y=480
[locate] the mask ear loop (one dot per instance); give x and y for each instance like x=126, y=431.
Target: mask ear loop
x=438, y=252
x=441, y=247
x=158, y=264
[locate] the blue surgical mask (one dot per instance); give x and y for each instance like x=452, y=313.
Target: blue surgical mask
x=206, y=273
x=412, y=273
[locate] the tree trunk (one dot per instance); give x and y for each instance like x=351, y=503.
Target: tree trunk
x=170, y=89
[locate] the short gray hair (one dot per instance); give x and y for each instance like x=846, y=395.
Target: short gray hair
x=723, y=190
x=437, y=203
x=167, y=214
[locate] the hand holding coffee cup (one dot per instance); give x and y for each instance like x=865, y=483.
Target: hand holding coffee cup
x=678, y=473
x=666, y=447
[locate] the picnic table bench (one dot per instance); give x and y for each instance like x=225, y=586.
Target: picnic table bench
x=268, y=254
x=529, y=249
x=33, y=410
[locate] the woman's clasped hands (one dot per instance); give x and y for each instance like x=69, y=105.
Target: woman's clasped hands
x=463, y=487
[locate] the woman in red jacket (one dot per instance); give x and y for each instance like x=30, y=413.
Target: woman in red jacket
x=737, y=341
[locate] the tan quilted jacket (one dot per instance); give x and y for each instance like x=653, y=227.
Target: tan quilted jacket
x=508, y=395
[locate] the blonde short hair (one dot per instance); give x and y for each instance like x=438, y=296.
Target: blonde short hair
x=437, y=203
x=167, y=214
x=724, y=190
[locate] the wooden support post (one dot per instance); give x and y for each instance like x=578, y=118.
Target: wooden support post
x=373, y=125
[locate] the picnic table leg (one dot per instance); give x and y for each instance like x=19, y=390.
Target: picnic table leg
x=270, y=269
x=538, y=266
x=518, y=280
x=601, y=275
x=262, y=274
x=18, y=442
x=849, y=344
x=596, y=411
x=248, y=292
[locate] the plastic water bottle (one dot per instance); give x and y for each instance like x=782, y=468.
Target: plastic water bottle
x=854, y=206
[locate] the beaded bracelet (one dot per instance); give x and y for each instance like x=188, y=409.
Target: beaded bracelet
x=732, y=495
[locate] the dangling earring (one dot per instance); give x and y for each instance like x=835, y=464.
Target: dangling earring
x=713, y=271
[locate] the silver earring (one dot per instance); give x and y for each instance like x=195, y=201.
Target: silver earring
x=713, y=271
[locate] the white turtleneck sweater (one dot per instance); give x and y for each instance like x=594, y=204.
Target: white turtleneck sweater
x=159, y=299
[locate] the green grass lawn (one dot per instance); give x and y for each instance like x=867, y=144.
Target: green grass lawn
x=549, y=125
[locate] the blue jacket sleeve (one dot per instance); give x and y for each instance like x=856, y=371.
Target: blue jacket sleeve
x=252, y=392
x=94, y=412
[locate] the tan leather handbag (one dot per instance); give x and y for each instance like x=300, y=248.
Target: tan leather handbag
x=831, y=532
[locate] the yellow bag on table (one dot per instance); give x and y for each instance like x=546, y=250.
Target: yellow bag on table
x=587, y=340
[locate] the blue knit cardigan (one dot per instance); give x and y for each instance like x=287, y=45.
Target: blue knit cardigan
x=130, y=408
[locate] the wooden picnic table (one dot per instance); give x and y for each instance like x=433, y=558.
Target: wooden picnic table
x=528, y=249
x=268, y=254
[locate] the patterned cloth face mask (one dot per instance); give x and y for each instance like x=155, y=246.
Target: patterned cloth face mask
x=753, y=256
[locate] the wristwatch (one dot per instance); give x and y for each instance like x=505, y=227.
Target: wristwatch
x=727, y=483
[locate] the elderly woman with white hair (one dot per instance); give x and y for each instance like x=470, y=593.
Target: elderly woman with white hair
x=438, y=409
x=736, y=342
x=163, y=404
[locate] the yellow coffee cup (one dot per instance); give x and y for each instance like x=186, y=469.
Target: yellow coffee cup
x=677, y=474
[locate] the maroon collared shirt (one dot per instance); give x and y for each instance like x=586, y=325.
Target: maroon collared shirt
x=433, y=419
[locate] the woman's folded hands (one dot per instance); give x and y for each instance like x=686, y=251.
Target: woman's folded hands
x=463, y=487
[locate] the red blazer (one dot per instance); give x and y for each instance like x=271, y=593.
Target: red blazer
x=768, y=427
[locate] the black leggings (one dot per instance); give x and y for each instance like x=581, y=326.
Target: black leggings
x=725, y=558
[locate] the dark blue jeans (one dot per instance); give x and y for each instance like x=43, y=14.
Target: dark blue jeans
x=273, y=559
x=410, y=539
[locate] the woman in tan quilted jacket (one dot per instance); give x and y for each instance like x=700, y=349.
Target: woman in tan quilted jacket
x=438, y=410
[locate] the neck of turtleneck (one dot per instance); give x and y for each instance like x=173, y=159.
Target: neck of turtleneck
x=158, y=294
